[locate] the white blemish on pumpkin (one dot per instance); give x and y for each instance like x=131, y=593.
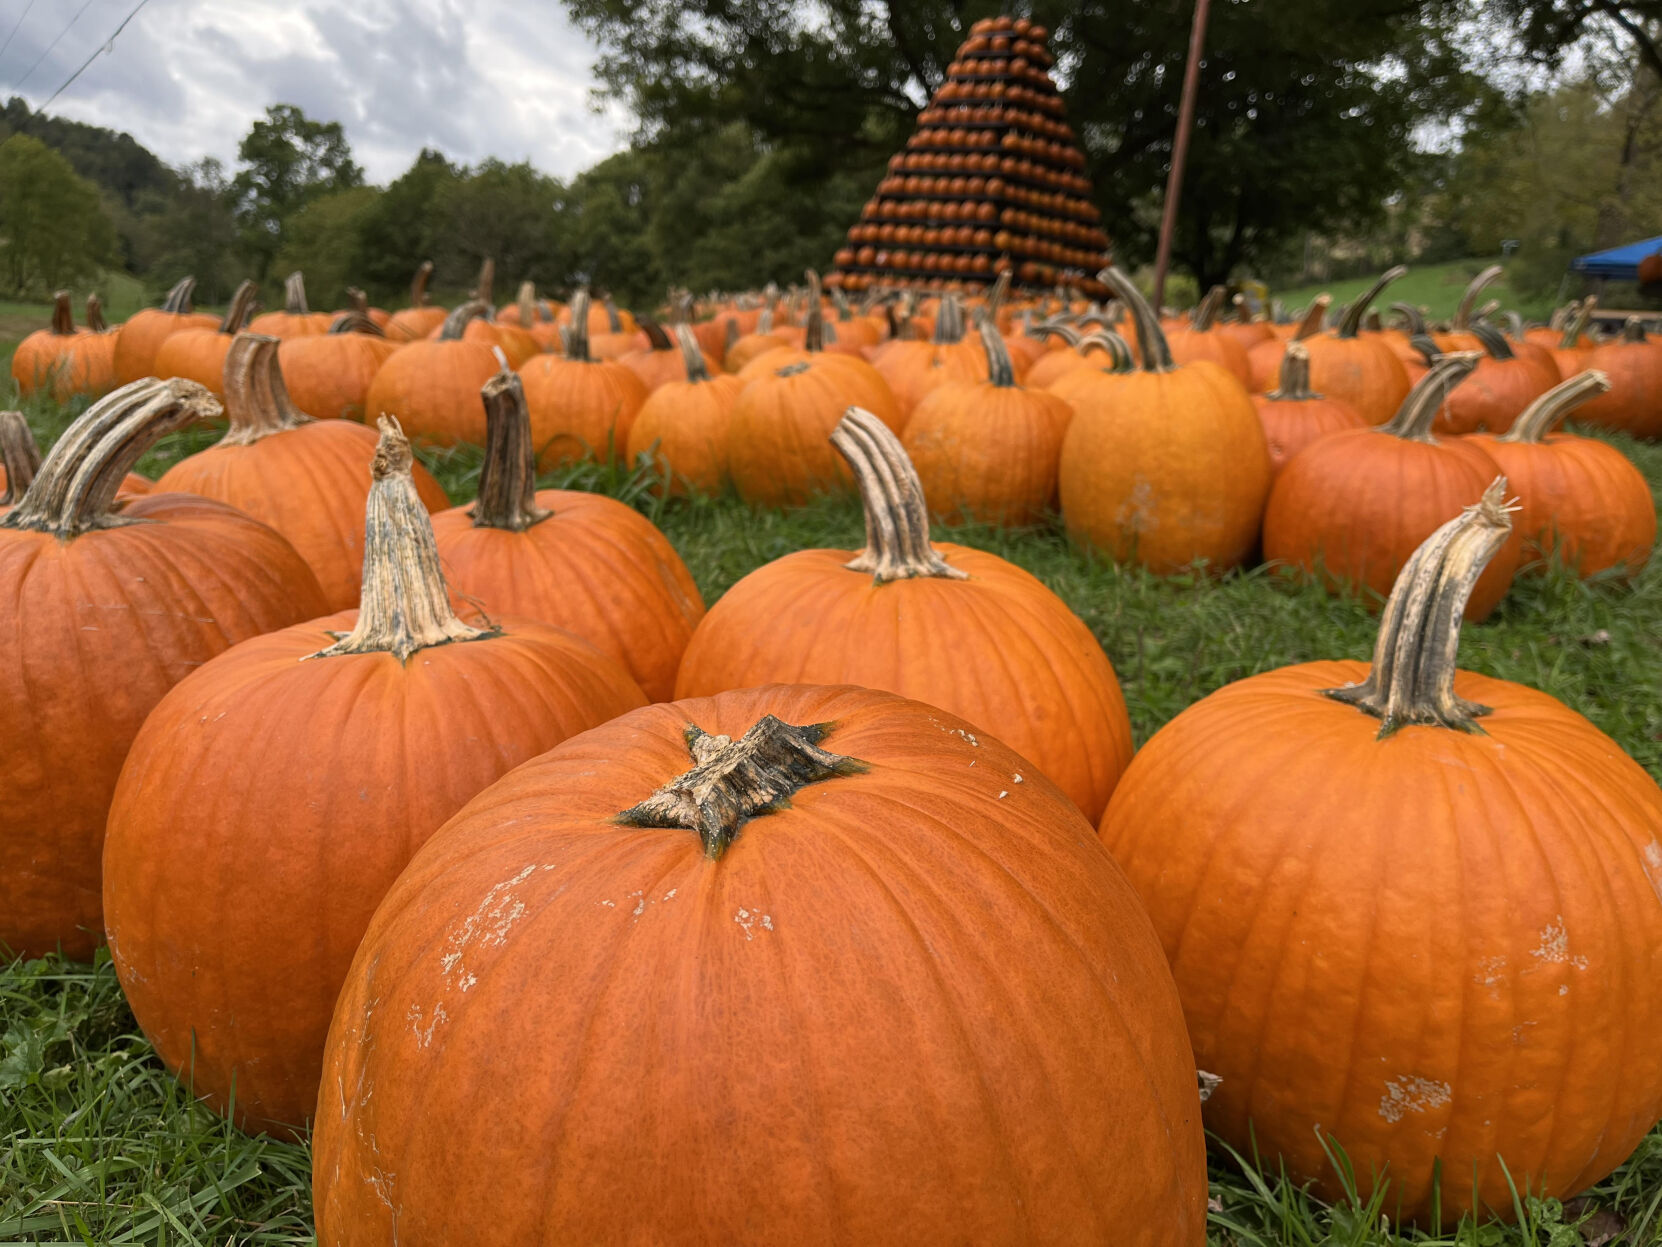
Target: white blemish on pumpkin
x=670, y=895
x=1137, y=512
x=1003, y=794
x=608, y=904
x=1015, y=779
x=468, y=982
x=1554, y=948
x=1412, y=1095
x=958, y=731
x=424, y=1038
x=1563, y=989
x=748, y=919
x=487, y=926
x=1653, y=866
x=1491, y=970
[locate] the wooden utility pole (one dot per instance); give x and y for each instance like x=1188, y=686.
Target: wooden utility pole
x=1180, y=150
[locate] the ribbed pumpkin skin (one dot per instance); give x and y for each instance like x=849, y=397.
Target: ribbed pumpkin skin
x=596, y=568
x=580, y=409
x=913, y=369
x=65, y=365
x=518, y=345
x=412, y=323
x=1163, y=468
x=653, y=368
x=196, y=355
x=1356, y=505
x=432, y=387
x=1493, y=396
x=108, y=622
x=913, y=1081
x=1291, y=424
x=267, y=805
x=778, y=442
x=689, y=423
x=1634, y=403
x=988, y=451
x=999, y=649
x=1417, y=968
x=142, y=335
x=328, y=375
x=1363, y=371
x=1581, y=498
x=307, y=483
x=1190, y=346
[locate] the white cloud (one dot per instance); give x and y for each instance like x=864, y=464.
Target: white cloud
x=474, y=78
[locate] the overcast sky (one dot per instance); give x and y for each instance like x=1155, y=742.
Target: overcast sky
x=474, y=78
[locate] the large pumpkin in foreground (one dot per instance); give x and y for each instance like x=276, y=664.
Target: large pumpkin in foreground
x=1412, y=909
x=788, y=965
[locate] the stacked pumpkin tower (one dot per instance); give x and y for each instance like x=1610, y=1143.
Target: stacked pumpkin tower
x=991, y=179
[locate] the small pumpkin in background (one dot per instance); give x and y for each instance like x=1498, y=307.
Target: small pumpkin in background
x=684, y=426
x=581, y=408
x=305, y=478
x=328, y=375
x=1203, y=338
x=1578, y=498
x=143, y=333
x=111, y=604
x=1247, y=329
x=1572, y=348
x=748, y=347
x=1503, y=384
x=1352, y=507
x=579, y=561
x=320, y=758
x=481, y=326
x=1077, y=355
x=421, y=317
x=199, y=354
x=357, y=303
x=1264, y=358
x=1366, y=875
x=910, y=617
x=99, y=350
x=19, y=458
x=1633, y=363
x=535, y=316
x=432, y=387
x=1165, y=465
x=61, y=360
x=1293, y=415
x=1359, y=368
x=660, y=360
x=913, y=368
x=616, y=335
x=989, y=450
x=296, y=320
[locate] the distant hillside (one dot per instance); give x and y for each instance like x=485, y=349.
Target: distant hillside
x=117, y=163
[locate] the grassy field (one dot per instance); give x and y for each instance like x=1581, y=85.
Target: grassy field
x=99, y=1145
x=1436, y=287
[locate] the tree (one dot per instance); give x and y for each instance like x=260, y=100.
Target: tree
x=288, y=160
x=401, y=229
x=323, y=241
x=53, y=228
x=499, y=212
x=1547, y=29
x=604, y=220
x=193, y=231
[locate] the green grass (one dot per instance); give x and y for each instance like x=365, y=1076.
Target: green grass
x=1436, y=287
x=98, y=1144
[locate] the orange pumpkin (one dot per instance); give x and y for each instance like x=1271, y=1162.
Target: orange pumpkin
x=296, y=320
x=1076, y=354
x=683, y=427
x=112, y=603
x=1294, y=416
x=660, y=360
x=329, y=374
x=320, y=758
x=1166, y=465
x=1246, y=329
x=1352, y=507
x=432, y=387
x=199, y=354
x=1468, y=319
x=143, y=333
x=1572, y=347
x=1501, y=387
x=748, y=347
x=1202, y=338
x=64, y=361
x=989, y=450
x=579, y=561
x=914, y=368
x=305, y=478
x=843, y=874
x=420, y=318
x=1634, y=365
x=534, y=315
x=581, y=408
x=912, y=618
x=1359, y=368
x=1580, y=499
x=1412, y=910
x=616, y=334
x=1264, y=358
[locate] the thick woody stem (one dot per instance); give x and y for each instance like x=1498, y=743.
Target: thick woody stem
x=1310, y=324
x=732, y=781
x=1418, y=412
x=257, y=402
x=95, y=315
x=455, y=324
x=294, y=294
x=949, y=321
x=691, y=356
x=614, y=322
x=404, y=605
x=1414, y=661
x=1119, y=350
x=1545, y=413
x=1151, y=339
x=1294, y=385
x=897, y=520
x=63, y=316
x=527, y=304
x=1413, y=319
x=1000, y=372
x=19, y=455
x=1633, y=330
x=657, y=339
x=508, y=475
x=577, y=333
x=74, y=489
x=1463, y=313
x=1206, y=311
x=356, y=321
x=813, y=336
x=418, y=284
x=1575, y=324
x=242, y=307
x=1493, y=342
x=486, y=283
x=1351, y=323
x=1057, y=329
x=178, y=299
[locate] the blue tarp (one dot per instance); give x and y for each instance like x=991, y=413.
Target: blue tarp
x=1618, y=263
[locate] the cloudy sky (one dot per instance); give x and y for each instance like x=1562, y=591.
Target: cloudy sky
x=474, y=78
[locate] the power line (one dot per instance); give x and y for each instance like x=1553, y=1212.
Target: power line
x=16, y=27
x=103, y=47
x=53, y=44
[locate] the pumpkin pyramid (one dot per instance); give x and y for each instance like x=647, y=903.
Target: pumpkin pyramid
x=991, y=179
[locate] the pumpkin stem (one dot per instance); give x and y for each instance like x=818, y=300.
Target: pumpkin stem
x=1545, y=413
x=733, y=781
x=1463, y=313
x=613, y=322
x=508, y=475
x=691, y=355
x=257, y=402
x=1414, y=418
x=996, y=297
x=1206, y=311
x=813, y=336
x=1575, y=324
x=656, y=338
x=1372, y=322
x=1310, y=324
x=242, y=307
x=19, y=455
x=294, y=294
x=418, y=284
x=1056, y=329
x=404, y=605
x=487, y=281
x=1493, y=342
x=1413, y=320
x=1242, y=309
x=356, y=320
x=840, y=301
x=1514, y=325
x=1351, y=323
x=1414, y=660
x=1117, y=347
x=1151, y=339
x=1294, y=385
x=95, y=315
x=1000, y=372
x=74, y=489
x=527, y=303
x=949, y=321
x=897, y=521
x=1633, y=330
x=63, y=317
x=455, y=324
x=178, y=299
x=576, y=334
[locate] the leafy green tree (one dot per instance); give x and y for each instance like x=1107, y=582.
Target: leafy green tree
x=401, y=228
x=54, y=231
x=1548, y=29
x=194, y=231
x=604, y=219
x=500, y=212
x=323, y=241
x=288, y=160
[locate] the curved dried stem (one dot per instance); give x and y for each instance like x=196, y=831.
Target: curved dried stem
x=897, y=519
x=1294, y=383
x=19, y=455
x=1151, y=339
x=63, y=316
x=691, y=356
x=455, y=324
x=1468, y=300
x=418, y=284
x=242, y=307
x=508, y=474
x=95, y=315
x=294, y=294
x=1418, y=412
x=257, y=402
x=178, y=299
x=1000, y=371
x=1547, y=412
x=1207, y=311
x=1351, y=323
x=576, y=334
x=1310, y=324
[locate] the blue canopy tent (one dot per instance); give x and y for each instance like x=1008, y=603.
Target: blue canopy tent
x=1618, y=263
